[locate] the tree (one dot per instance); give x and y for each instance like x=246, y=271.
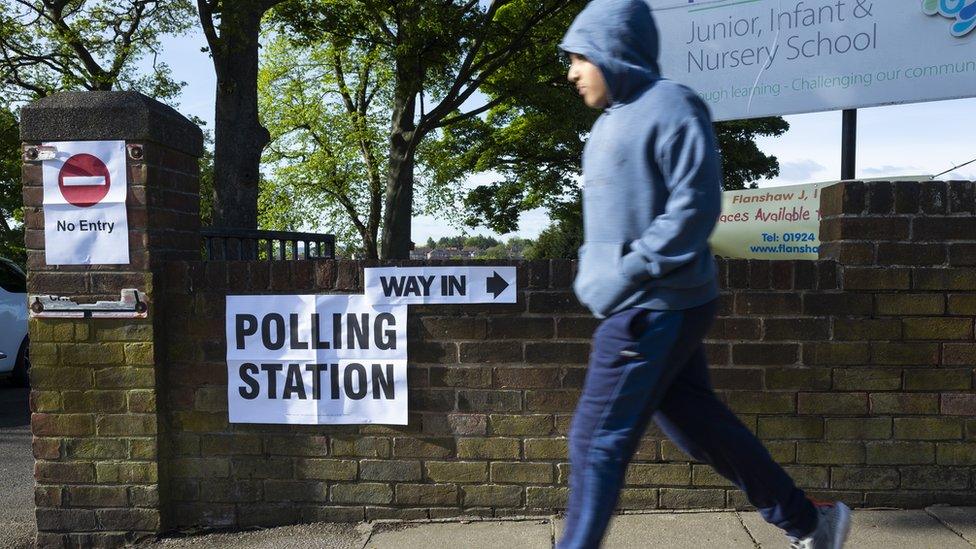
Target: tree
x=48, y=46
x=54, y=45
x=206, y=164
x=519, y=245
x=743, y=164
x=451, y=242
x=561, y=239
x=533, y=142
x=543, y=183
x=325, y=106
x=498, y=251
x=481, y=242
x=232, y=28
x=11, y=205
x=441, y=52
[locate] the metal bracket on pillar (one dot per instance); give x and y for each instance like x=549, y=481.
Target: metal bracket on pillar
x=133, y=304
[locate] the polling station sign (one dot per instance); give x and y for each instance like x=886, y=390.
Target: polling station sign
x=752, y=58
x=316, y=359
x=441, y=285
x=85, y=221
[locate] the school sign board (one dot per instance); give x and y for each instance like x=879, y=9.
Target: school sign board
x=316, y=359
x=752, y=58
x=85, y=220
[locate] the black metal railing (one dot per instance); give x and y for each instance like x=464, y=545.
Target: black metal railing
x=223, y=244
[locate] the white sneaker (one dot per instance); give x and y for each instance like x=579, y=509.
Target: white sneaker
x=833, y=525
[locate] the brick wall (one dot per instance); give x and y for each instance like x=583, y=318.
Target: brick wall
x=856, y=372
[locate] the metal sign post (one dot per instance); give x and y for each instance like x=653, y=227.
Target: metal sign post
x=848, y=156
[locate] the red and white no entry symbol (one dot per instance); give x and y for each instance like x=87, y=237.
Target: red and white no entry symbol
x=84, y=180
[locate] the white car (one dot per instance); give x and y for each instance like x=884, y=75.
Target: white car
x=13, y=322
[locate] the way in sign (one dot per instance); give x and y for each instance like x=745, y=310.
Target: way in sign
x=420, y=286
x=460, y=284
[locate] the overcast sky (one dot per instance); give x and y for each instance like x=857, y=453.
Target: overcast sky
x=920, y=139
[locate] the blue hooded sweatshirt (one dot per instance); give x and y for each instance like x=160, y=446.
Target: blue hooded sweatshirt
x=651, y=173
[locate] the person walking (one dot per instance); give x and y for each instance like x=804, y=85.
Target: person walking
x=651, y=197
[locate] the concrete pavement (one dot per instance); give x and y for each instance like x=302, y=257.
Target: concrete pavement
x=932, y=528
x=16, y=469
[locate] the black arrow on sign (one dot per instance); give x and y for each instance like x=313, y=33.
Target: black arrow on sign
x=496, y=284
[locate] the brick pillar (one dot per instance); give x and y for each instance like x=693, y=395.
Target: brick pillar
x=899, y=224
x=95, y=382
x=908, y=252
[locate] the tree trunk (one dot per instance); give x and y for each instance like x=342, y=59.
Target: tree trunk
x=399, y=182
x=239, y=136
x=375, y=210
x=369, y=241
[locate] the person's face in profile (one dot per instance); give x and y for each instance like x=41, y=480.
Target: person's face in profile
x=588, y=80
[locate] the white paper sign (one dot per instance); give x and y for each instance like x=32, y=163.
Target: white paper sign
x=418, y=285
x=772, y=57
x=316, y=359
x=85, y=220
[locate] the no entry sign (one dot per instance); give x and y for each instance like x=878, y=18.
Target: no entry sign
x=84, y=180
x=84, y=204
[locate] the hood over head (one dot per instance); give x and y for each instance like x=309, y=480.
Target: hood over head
x=621, y=39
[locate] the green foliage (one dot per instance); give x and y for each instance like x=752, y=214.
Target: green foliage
x=440, y=53
x=481, y=242
x=562, y=239
x=326, y=106
x=519, y=245
x=499, y=251
x=742, y=162
x=532, y=139
x=207, y=183
x=54, y=45
x=450, y=242
x=527, y=128
x=486, y=247
x=48, y=46
x=11, y=206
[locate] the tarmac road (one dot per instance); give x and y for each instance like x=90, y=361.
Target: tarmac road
x=17, y=527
